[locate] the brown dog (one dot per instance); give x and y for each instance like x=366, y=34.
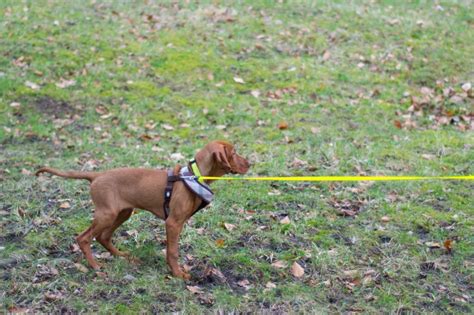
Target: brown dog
x=117, y=192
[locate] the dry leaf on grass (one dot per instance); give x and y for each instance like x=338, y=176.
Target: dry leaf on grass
x=65, y=83
x=326, y=55
x=244, y=284
x=194, y=289
x=239, y=80
x=32, y=85
x=433, y=244
x=270, y=285
x=448, y=245
x=65, y=205
x=279, y=264
x=255, y=93
x=81, y=268
x=297, y=270
x=229, y=227
x=285, y=220
x=167, y=127
x=282, y=125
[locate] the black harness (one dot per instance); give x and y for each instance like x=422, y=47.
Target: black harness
x=191, y=181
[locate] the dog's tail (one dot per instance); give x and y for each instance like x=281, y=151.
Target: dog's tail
x=90, y=176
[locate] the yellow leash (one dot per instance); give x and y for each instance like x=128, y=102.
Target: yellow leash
x=342, y=178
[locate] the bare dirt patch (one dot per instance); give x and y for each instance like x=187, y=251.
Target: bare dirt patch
x=51, y=107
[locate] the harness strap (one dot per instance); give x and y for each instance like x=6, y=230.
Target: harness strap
x=186, y=175
x=168, y=191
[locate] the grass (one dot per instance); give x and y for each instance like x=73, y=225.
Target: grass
x=349, y=79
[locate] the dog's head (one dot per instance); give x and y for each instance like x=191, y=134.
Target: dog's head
x=224, y=158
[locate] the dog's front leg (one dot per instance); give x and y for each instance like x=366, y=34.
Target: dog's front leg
x=173, y=230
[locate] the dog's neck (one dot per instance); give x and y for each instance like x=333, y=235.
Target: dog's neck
x=207, y=167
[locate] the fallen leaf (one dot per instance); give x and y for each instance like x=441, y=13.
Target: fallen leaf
x=157, y=149
x=65, y=205
x=32, y=85
x=229, y=227
x=194, y=289
x=433, y=245
x=466, y=87
x=350, y=273
x=244, y=284
x=326, y=55
x=285, y=220
x=25, y=172
x=200, y=231
x=279, y=264
x=239, y=80
x=348, y=213
x=270, y=285
x=220, y=242
x=448, y=245
x=274, y=192
x=65, y=83
x=282, y=125
x=298, y=163
x=397, y=124
x=50, y=297
x=75, y=248
x=101, y=110
x=385, y=219
x=297, y=270
x=315, y=130
x=428, y=156
x=255, y=93
x=216, y=272
x=167, y=127
x=81, y=268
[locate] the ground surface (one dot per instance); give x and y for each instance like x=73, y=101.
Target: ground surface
x=374, y=87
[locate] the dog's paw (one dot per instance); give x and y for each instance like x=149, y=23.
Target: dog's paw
x=183, y=275
x=96, y=266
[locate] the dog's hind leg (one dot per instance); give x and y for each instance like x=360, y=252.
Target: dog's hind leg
x=101, y=222
x=105, y=238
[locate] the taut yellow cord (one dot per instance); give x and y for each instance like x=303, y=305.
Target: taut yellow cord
x=343, y=178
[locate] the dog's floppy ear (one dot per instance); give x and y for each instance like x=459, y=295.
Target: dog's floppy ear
x=221, y=157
